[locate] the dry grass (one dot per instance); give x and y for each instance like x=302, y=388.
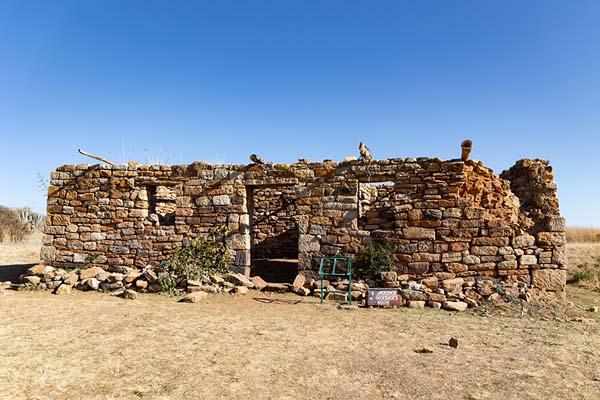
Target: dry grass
x=584, y=264
x=25, y=252
x=94, y=346
x=583, y=235
x=89, y=345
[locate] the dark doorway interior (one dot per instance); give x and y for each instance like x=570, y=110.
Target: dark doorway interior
x=274, y=232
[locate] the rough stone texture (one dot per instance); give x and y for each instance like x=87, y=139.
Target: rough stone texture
x=549, y=279
x=194, y=297
x=442, y=219
x=455, y=306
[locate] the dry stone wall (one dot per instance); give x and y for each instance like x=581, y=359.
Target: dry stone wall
x=442, y=219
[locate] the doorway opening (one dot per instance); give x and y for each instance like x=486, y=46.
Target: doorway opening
x=274, y=232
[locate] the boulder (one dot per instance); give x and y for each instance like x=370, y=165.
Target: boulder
x=455, y=306
x=150, y=275
x=259, y=283
x=93, y=283
x=241, y=290
x=71, y=278
x=141, y=284
x=453, y=285
x=238, y=280
x=32, y=280
x=89, y=272
x=389, y=276
x=453, y=342
x=194, y=297
x=415, y=304
x=412, y=295
x=299, y=282
x=276, y=287
x=37, y=270
x=132, y=276
x=63, y=289
x=129, y=294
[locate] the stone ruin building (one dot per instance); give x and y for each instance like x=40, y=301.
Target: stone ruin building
x=443, y=219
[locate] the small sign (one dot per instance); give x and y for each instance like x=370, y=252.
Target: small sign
x=384, y=297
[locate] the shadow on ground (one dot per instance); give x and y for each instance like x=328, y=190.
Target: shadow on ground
x=12, y=272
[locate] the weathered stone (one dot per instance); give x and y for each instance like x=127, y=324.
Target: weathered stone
x=238, y=280
x=415, y=295
x=549, y=279
x=111, y=285
x=241, y=290
x=484, y=250
x=511, y=264
x=528, y=260
x=453, y=342
x=431, y=282
x=129, y=294
x=551, y=238
x=37, y=270
x=93, y=283
x=194, y=297
x=337, y=297
x=419, y=233
x=221, y=200
x=415, y=304
x=436, y=297
x=303, y=291
x=132, y=276
x=141, y=284
x=103, y=275
x=299, y=282
x=150, y=276
x=63, y=289
x=523, y=241
x=89, y=272
x=471, y=259
x=259, y=283
x=31, y=280
x=452, y=285
x=276, y=287
x=455, y=306
x=555, y=224
x=115, y=277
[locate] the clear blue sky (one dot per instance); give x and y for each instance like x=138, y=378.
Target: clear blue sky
x=218, y=80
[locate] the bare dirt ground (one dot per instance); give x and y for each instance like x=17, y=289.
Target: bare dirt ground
x=94, y=346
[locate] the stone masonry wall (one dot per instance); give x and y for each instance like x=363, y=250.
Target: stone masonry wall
x=442, y=219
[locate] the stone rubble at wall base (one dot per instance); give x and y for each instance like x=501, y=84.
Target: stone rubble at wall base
x=452, y=294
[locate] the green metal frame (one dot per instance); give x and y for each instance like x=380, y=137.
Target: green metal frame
x=333, y=272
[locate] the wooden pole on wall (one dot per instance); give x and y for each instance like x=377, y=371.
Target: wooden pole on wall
x=86, y=153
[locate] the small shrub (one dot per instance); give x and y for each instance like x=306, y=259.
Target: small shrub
x=582, y=276
x=33, y=219
x=372, y=260
x=11, y=227
x=199, y=259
